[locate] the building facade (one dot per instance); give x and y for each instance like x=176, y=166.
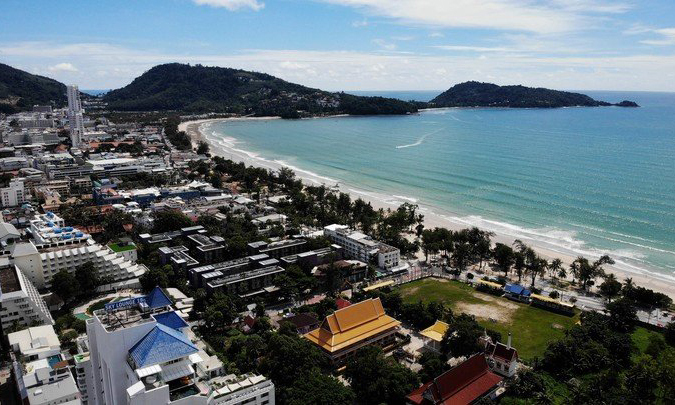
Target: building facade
x=14, y=194
x=20, y=302
x=141, y=354
x=362, y=247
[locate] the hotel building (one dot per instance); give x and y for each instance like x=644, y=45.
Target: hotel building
x=141, y=353
x=362, y=247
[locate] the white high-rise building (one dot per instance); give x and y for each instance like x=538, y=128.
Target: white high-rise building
x=140, y=353
x=75, y=117
x=14, y=194
x=20, y=302
x=74, y=103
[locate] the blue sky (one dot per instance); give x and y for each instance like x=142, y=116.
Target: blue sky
x=352, y=44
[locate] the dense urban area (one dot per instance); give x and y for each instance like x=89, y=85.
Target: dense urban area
x=138, y=268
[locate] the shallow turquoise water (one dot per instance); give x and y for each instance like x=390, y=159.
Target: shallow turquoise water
x=576, y=180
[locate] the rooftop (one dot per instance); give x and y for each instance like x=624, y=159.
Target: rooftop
x=351, y=325
x=9, y=278
x=160, y=345
x=436, y=331
x=463, y=384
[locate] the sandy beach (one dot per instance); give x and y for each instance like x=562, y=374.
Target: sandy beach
x=227, y=148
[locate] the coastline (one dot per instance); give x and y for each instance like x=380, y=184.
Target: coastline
x=226, y=147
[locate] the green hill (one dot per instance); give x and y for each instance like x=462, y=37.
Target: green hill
x=21, y=90
x=476, y=94
x=200, y=88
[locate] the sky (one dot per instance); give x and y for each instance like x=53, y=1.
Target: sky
x=351, y=44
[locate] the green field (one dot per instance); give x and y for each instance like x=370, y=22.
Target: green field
x=532, y=328
x=121, y=248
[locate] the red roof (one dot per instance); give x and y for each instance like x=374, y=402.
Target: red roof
x=463, y=384
x=501, y=351
x=342, y=303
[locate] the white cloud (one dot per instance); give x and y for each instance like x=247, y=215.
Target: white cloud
x=109, y=66
x=667, y=37
x=232, y=5
x=384, y=44
x=544, y=16
x=63, y=67
x=472, y=48
x=360, y=23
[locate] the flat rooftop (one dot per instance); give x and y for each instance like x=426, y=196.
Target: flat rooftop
x=9, y=279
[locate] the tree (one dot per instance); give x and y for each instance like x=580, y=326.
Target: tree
x=88, y=278
x=377, y=379
x=669, y=333
x=530, y=384
x=461, y=256
x=154, y=278
x=202, y=148
x=219, y=314
x=622, y=315
x=461, y=339
x=610, y=287
x=586, y=271
x=504, y=257
x=555, y=267
x=65, y=285
x=433, y=365
x=166, y=221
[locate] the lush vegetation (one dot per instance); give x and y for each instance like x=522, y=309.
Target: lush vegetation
x=178, y=139
x=198, y=88
x=532, y=328
x=476, y=94
x=21, y=90
x=599, y=361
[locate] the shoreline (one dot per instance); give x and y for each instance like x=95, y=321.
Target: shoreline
x=226, y=147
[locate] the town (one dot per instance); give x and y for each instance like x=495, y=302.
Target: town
x=139, y=268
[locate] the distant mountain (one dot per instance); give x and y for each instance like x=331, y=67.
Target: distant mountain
x=20, y=90
x=476, y=94
x=199, y=88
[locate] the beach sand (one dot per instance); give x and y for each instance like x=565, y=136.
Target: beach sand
x=227, y=148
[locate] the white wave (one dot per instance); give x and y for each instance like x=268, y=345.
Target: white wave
x=402, y=197
x=420, y=140
x=563, y=242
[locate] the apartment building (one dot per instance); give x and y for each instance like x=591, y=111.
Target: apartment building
x=20, y=302
x=362, y=247
x=14, y=194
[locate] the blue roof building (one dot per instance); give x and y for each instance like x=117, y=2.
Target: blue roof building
x=157, y=299
x=160, y=345
x=171, y=319
x=517, y=292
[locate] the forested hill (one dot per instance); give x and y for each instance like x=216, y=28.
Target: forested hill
x=199, y=88
x=476, y=94
x=21, y=90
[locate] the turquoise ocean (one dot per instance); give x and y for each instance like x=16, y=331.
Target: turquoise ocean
x=579, y=181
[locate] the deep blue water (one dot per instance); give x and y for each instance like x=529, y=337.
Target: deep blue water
x=575, y=180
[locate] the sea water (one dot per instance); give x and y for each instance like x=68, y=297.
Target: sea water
x=580, y=181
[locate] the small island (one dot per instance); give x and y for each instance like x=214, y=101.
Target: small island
x=477, y=94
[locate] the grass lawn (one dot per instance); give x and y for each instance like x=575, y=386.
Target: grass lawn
x=97, y=305
x=121, y=248
x=532, y=328
x=640, y=338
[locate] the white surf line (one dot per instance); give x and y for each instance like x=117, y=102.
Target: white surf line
x=419, y=141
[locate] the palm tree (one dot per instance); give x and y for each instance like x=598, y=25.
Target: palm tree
x=554, y=268
x=562, y=273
